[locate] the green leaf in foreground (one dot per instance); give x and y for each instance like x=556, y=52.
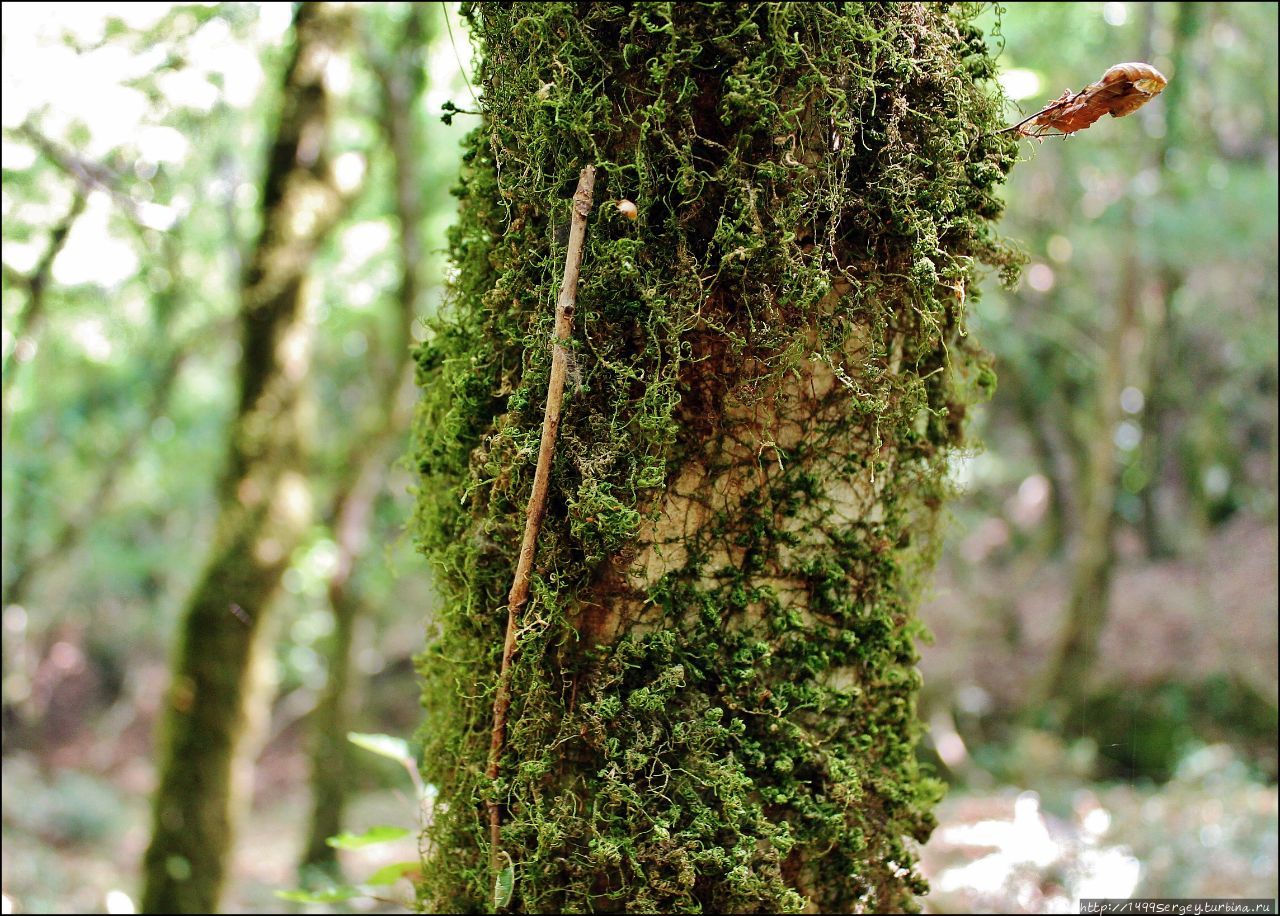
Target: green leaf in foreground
x=372, y=836
x=328, y=895
x=504, y=884
x=385, y=745
x=390, y=874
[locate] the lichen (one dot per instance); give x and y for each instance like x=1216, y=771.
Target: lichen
x=715, y=677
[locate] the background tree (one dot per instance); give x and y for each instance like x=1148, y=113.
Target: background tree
x=1125, y=415
x=264, y=500
x=714, y=682
x=161, y=116
x=398, y=64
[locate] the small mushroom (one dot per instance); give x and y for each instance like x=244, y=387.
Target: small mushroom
x=627, y=209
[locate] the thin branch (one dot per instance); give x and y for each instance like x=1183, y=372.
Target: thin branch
x=400, y=82
x=538, y=498
x=35, y=283
x=1030, y=117
x=90, y=176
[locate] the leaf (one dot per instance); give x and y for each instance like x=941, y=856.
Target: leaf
x=384, y=745
x=328, y=895
x=390, y=874
x=504, y=884
x=1122, y=90
x=372, y=836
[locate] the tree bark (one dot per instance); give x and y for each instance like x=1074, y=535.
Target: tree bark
x=264, y=503
x=713, y=682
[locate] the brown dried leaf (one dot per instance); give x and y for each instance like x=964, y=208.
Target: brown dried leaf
x=1122, y=90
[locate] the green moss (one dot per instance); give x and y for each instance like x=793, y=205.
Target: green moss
x=776, y=347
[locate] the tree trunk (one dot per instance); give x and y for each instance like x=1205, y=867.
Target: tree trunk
x=1098, y=477
x=714, y=681
x=263, y=500
x=1124, y=361
x=1035, y=408
x=1164, y=331
x=401, y=79
x=330, y=750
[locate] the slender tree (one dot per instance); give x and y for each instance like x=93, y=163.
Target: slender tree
x=1124, y=360
x=713, y=685
x=1163, y=332
x=263, y=497
x=401, y=77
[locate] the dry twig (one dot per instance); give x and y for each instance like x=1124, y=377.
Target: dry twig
x=538, y=498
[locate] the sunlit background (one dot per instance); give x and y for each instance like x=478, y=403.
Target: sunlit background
x=1129, y=465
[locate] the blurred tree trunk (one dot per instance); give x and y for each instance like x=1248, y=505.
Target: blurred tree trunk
x=1035, y=408
x=264, y=502
x=330, y=749
x=713, y=688
x=1126, y=360
x=1163, y=333
x=1076, y=651
x=401, y=77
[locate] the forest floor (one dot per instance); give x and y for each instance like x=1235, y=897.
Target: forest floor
x=72, y=842
x=1209, y=832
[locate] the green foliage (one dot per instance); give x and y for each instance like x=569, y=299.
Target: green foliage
x=1180, y=196
x=389, y=746
x=370, y=837
x=504, y=884
x=1145, y=731
x=814, y=185
x=384, y=746
x=390, y=874
x=336, y=894
x=117, y=400
x=70, y=808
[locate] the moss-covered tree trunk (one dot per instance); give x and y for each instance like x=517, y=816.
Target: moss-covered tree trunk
x=264, y=503
x=714, y=682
